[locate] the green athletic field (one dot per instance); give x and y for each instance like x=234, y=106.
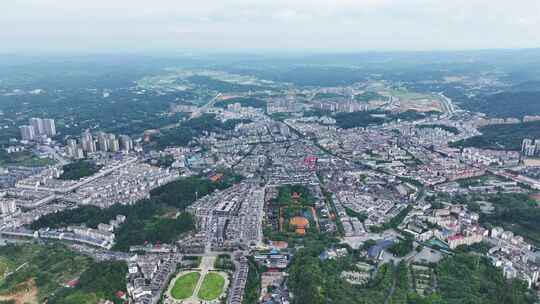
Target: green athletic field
x=212, y=287
x=185, y=285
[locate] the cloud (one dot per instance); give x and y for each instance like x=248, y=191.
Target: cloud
x=269, y=24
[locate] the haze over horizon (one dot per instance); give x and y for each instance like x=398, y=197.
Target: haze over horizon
x=344, y=25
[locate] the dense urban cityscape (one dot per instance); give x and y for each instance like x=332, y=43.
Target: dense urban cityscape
x=256, y=189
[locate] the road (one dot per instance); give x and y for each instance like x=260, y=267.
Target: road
x=209, y=104
x=447, y=104
x=207, y=263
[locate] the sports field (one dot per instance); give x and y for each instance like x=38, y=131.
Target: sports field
x=185, y=285
x=212, y=287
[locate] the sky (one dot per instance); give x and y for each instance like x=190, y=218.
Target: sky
x=277, y=25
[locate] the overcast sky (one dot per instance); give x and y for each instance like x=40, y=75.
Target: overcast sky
x=328, y=25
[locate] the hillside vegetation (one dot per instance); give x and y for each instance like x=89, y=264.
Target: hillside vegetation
x=508, y=104
x=502, y=137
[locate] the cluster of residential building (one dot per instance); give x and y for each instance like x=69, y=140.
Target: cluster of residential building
x=282, y=105
x=122, y=180
x=415, y=152
x=231, y=218
x=26, y=217
x=485, y=157
x=530, y=147
x=427, y=135
x=149, y=275
x=126, y=185
x=437, y=169
x=376, y=197
x=345, y=106
x=239, y=279
x=516, y=257
x=453, y=224
x=38, y=127
x=488, y=186
x=237, y=111
x=102, y=236
x=10, y=175
x=8, y=206
x=105, y=142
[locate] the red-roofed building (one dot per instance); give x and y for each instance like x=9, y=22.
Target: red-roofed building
x=216, y=177
x=120, y=294
x=468, y=239
x=72, y=283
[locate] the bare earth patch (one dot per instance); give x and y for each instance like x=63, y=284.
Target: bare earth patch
x=26, y=293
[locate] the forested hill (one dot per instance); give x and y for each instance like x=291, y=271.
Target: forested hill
x=505, y=136
x=508, y=104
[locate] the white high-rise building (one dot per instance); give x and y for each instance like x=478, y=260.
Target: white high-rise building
x=27, y=132
x=528, y=148
x=37, y=124
x=284, y=129
x=7, y=206
x=114, y=145
x=80, y=153
x=72, y=143
x=87, y=142
x=537, y=146
x=49, y=127
x=126, y=143
x=103, y=141
x=71, y=147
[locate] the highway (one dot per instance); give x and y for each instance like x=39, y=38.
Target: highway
x=209, y=104
x=447, y=104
